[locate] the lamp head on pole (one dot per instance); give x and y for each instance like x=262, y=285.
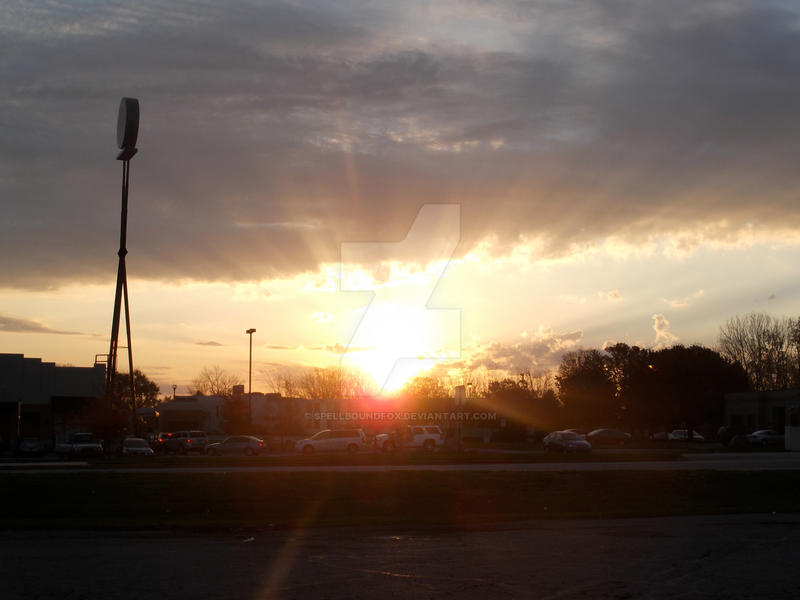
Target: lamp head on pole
x=127, y=127
x=250, y=331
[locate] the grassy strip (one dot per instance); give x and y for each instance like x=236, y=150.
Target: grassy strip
x=449, y=500
x=380, y=458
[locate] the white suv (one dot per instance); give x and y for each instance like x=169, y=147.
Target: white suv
x=332, y=440
x=427, y=437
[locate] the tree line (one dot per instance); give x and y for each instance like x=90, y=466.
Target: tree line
x=634, y=388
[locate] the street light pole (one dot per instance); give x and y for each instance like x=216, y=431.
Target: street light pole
x=127, y=133
x=250, y=332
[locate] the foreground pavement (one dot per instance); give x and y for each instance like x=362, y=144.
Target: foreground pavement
x=732, y=557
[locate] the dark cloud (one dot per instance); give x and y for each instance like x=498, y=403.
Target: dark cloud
x=272, y=133
x=14, y=325
x=209, y=343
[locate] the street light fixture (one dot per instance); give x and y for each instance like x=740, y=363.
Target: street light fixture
x=250, y=332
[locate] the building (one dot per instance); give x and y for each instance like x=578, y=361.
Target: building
x=276, y=414
x=778, y=410
x=192, y=412
x=42, y=400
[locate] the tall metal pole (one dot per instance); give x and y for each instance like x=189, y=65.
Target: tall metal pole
x=250, y=380
x=120, y=297
x=127, y=132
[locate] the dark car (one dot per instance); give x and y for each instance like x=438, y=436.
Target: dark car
x=245, y=445
x=31, y=447
x=608, y=437
x=566, y=441
x=161, y=443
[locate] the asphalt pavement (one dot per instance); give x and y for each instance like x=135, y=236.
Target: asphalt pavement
x=692, y=558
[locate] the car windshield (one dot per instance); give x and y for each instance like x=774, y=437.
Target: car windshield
x=568, y=435
x=320, y=435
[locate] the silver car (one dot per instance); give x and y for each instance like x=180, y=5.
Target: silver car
x=566, y=441
x=766, y=437
x=246, y=445
x=334, y=440
x=134, y=446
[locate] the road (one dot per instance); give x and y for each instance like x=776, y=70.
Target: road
x=692, y=558
x=760, y=461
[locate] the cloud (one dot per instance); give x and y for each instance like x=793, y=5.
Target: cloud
x=156, y=368
x=664, y=337
x=277, y=347
x=611, y=296
x=209, y=343
x=14, y=325
x=683, y=302
x=542, y=349
x=272, y=133
x=340, y=348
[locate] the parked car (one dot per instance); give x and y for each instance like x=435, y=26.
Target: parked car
x=246, y=445
x=739, y=441
x=608, y=437
x=565, y=441
x=30, y=446
x=426, y=437
x=135, y=446
x=332, y=440
x=766, y=437
x=161, y=442
x=683, y=435
x=183, y=442
x=80, y=444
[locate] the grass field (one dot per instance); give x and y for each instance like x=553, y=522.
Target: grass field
x=416, y=500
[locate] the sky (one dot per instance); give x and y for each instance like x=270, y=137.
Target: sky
x=459, y=184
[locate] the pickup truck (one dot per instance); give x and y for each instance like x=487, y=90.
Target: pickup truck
x=426, y=437
x=80, y=444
